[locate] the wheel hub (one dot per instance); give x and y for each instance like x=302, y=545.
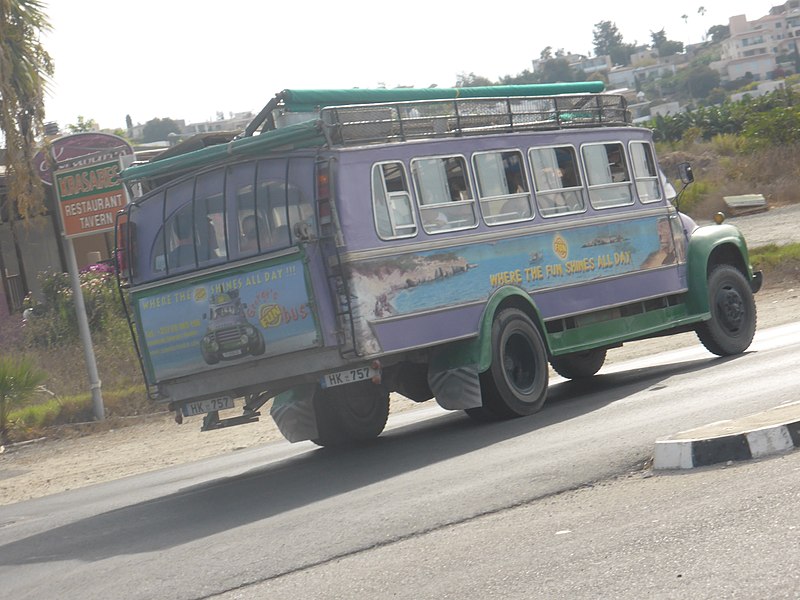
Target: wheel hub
x=731, y=308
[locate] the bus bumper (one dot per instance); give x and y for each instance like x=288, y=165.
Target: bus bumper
x=756, y=280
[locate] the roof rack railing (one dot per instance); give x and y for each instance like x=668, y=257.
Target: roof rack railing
x=402, y=121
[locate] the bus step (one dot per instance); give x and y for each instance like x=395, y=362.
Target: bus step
x=210, y=424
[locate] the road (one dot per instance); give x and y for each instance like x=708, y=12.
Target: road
x=471, y=511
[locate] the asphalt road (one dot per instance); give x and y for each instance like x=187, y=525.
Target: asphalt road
x=437, y=507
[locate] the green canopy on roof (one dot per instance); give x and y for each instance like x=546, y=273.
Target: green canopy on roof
x=313, y=100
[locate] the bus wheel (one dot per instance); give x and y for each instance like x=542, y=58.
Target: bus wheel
x=578, y=365
x=516, y=383
x=733, y=313
x=350, y=414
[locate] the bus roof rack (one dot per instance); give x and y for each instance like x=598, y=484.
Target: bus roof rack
x=403, y=121
x=293, y=106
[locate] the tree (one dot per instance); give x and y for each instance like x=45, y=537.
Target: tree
x=83, y=126
x=556, y=70
x=700, y=80
x=158, y=130
x=19, y=380
x=664, y=46
x=717, y=33
x=25, y=68
x=547, y=53
x=523, y=78
x=472, y=80
x=606, y=38
x=608, y=41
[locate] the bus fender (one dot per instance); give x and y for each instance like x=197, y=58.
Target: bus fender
x=454, y=369
x=293, y=413
x=709, y=246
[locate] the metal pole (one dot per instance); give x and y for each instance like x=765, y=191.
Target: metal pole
x=86, y=336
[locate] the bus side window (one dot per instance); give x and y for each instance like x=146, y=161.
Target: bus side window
x=444, y=193
x=209, y=216
x=180, y=240
x=557, y=180
x=645, y=172
x=391, y=202
x=608, y=175
x=502, y=187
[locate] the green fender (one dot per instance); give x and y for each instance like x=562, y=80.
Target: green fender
x=711, y=245
x=477, y=352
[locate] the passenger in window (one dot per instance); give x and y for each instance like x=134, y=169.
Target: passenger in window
x=182, y=253
x=617, y=166
x=250, y=229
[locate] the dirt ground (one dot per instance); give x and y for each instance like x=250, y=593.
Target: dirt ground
x=78, y=457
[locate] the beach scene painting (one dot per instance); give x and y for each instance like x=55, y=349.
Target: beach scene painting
x=411, y=282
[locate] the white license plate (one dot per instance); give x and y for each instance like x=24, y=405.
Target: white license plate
x=200, y=407
x=347, y=376
x=232, y=353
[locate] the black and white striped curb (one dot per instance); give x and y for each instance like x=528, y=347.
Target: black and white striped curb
x=690, y=453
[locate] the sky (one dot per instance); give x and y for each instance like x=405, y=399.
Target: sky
x=187, y=59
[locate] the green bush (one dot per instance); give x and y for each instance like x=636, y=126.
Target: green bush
x=52, y=322
x=19, y=381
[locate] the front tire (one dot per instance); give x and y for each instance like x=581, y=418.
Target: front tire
x=579, y=365
x=350, y=414
x=516, y=383
x=733, y=313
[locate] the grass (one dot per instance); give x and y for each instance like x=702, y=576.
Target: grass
x=779, y=263
x=33, y=420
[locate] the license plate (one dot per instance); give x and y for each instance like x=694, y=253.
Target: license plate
x=232, y=353
x=347, y=376
x=200, y=407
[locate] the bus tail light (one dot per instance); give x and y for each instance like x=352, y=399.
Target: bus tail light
x=324, y=193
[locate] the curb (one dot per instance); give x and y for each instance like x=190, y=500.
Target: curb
x=731, y=440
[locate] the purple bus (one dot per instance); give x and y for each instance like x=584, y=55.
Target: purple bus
x=447, y=244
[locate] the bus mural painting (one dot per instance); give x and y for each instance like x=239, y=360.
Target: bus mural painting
x=229, y=334
x=437, y=243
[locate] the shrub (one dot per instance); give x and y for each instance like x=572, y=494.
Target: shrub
x=19, y=380
x=53, y=323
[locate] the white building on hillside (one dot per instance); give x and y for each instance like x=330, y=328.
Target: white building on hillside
x=758, y=47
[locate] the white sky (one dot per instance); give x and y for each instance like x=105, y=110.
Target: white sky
x=188, y=59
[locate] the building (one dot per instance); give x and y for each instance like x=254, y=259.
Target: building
x=756, y=49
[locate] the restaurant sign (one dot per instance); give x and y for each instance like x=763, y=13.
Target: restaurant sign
x=89, y=197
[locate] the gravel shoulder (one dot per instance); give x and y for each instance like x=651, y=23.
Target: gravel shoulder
x=80, y=456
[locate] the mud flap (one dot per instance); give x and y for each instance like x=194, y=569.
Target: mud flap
x=456, y=389
x=293, y=413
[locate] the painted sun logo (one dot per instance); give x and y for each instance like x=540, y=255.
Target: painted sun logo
x=560, y=247
x=269, y=315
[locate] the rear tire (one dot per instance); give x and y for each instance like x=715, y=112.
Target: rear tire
x=733, y=313
x=350, y=414
x=579, y=365
x=516, y=383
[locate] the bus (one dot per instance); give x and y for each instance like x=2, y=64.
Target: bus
x=447, y=244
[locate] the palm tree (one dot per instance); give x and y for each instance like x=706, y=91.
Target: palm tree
x=25, y=68
x=19, y=380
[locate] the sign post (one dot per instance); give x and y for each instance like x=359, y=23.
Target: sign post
x=88, y=197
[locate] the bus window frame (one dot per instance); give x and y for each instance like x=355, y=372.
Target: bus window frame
x=656, y=178
x=550, y=212
x=526, y=194
x=439, y=206
x=593, y=189
x=388, y=197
